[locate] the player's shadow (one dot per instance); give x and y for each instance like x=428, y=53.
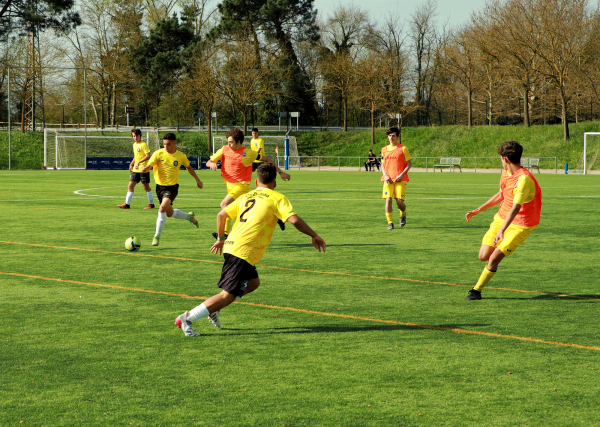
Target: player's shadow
x=589, y=298
x=452, y=226
x=342, y=329
x=308, y=245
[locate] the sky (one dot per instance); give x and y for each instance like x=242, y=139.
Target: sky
x=454, y=12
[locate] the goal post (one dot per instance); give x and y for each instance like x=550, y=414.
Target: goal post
x=274, y=148
x=591, y=150
x=70, y=149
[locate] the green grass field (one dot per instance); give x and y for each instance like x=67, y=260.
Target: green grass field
x=375, y=332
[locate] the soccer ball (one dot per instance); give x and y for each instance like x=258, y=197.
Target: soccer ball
x=133, y=244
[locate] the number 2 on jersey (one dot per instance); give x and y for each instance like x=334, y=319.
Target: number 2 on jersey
x=249, y=205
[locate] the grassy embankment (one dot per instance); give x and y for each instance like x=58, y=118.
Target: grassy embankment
x=447, y=141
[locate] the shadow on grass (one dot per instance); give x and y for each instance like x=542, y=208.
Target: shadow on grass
x=339, y=329
x=308, y=245
x=445, y=227
x=587, y=298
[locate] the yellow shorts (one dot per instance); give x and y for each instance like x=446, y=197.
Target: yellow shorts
x=513, y=236
x=396, y=190
x=237, y=189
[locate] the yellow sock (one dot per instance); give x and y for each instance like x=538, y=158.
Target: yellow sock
x=227, y=226
x=484, y=279
x=390, y=217
x=403, y=212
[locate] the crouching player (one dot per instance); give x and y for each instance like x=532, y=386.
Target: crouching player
x=519, y=214
x=257, y=213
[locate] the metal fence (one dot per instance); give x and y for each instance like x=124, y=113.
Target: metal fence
x=470, y=164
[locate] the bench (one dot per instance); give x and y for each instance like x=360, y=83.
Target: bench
x=530, y=163
x=448, y=162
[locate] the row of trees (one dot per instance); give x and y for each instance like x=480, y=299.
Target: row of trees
x=515, y=61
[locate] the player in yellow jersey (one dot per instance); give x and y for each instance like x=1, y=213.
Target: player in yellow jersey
x=141, y=153
x=257, y=144
x=395, y=164
x=166, y=165
x=257, y=213
x=236, y=168
x=519, y=214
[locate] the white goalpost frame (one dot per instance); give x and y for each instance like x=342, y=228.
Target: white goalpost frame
x=270, y=141
x=61, y=135
x=585, y=134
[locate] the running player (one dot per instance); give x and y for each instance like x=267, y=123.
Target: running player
x=141, y=153
x=257, y=213
x=395, y=164
x=236, y=168
x=519, y=214
x=166, y=175
x=257, y=144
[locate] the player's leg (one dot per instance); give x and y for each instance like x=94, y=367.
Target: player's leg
x=163, y=212
x=133, y=180
x=146, y=184
x=388, y=193
x=400, y=194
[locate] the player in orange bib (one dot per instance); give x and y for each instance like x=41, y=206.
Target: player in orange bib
x=519, y=214
x=395, y=164
x=236, y=168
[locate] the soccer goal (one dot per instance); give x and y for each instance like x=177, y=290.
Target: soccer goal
x=591, y=149
x=70, y=149
x=274, y=148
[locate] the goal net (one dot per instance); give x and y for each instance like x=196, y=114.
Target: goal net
x=591, y=149
x=69, y=149
x=274, y=148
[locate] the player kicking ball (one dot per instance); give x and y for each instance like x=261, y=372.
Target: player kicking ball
x=256, y=213
x=519, y=214
x=166, y=163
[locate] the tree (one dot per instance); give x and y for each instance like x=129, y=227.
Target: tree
x=161, y=57
x=24, y=16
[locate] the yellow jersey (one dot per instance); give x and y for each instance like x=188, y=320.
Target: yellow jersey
x=257, y=213
x=139, y=152
x=255, y=144
x=166, y=166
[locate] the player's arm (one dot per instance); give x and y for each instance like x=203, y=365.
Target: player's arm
x=493, y=201
x=512, y=213
x=303, y=227
x=217, y=248
x=192, y=172
x=405, y=171
x=212, y=163
x=149, y=165
x=142, y=160
x=285, y=176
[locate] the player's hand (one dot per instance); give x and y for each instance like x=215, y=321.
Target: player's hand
x=389, y=180
x=130, y=168
x=285, y=176
x=217, y=248
x=199, y=184
x=471, y=214
x=212, y=165
x=137, y=165
x=318, y=243
x=498, y=237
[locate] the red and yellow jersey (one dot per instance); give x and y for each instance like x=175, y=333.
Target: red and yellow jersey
x=393, y=161
x=522, y=189
x=236, y=165
x=166, y=166
x=139, y=152
x=256, y=213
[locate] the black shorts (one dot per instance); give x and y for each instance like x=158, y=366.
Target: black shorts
x=139, y=176
x=236, y=274
x=256, y=165
x=168, y=191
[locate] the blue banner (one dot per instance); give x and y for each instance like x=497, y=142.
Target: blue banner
x=122, y=163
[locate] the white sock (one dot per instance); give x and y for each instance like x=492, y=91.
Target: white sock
x=150, y=198
x=198, y=312
x=160, y=223
x=180, y=214
x=128, y=197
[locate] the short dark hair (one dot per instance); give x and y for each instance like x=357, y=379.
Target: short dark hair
x=136, y=132
x=170, y=137
x=254, y=129
x=236, y=134
x=512, y=150
x=266, y=173
x=393, y=130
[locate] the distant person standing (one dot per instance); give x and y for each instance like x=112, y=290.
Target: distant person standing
x=371, y=162
x=519, y=214
x=257, y=144
x=141, y=153
x=395, y=164
x=166, y=163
